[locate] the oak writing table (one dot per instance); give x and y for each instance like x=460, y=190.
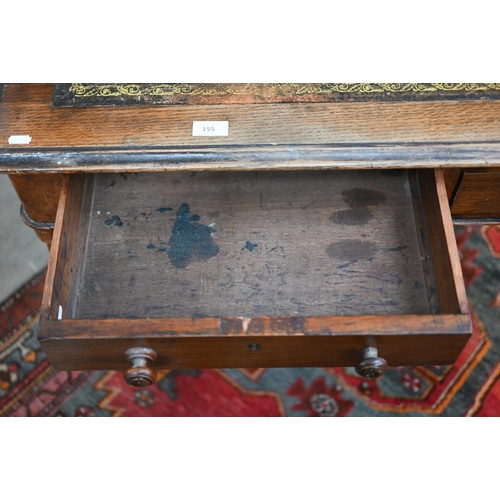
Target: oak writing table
x=318, y=232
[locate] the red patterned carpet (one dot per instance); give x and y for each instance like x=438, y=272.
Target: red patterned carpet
x=471, y=387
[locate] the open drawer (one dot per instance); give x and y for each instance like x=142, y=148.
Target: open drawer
x=253, y=269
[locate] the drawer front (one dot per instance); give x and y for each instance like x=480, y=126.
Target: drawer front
x=247, y=269
x=477, y=195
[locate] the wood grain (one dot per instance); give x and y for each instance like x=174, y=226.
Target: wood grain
x=279, y=327
x=311, y=323
x=22, y=92
x=231, y=341
x=252, y=244
x=39, y=195
x=236, y=352
x=299, y=135
x=60, y=273
x=478, y=195
x=452, y=179
x=233, y=158
x=263, y=124
x=444, y=251
x=53, y=264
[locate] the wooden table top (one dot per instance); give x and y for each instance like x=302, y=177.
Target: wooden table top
x=452, y=133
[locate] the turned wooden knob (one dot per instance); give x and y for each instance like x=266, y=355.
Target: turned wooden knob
x=140, y=374
x=371, y=366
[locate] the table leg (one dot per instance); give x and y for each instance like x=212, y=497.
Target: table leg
x=39, y=194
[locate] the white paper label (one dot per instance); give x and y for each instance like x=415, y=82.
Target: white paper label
x=59, y=313
x=211, y=128
x=19, y=139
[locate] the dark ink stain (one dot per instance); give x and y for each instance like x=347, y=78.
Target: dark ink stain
x=395, y=249
x=250, y=246
x=163, y=209
x=351, y=249
x=192, y=174
x=352, y=217
x=131, y=281
x=123, y=175
x=112, y=184
x=190, y=239
x=114, y=221
x=360, y=197
x=162, y=249
x=150, y=246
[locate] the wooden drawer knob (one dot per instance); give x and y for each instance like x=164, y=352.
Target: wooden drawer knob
x=140, y=374
x=371, y=366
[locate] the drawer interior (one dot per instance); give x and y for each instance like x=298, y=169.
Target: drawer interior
x=187, y=254
x=251, y=244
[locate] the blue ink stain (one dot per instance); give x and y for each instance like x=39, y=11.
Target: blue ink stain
x=114, y=221
x=190, y=239
x=164, y=209
x=250, y=246
x=150, y=246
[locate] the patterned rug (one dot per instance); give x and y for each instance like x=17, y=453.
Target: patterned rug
x=471, y=387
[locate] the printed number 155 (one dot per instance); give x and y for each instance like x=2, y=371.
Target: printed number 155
x=209, y=129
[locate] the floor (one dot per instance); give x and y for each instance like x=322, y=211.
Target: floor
x=22, y=254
